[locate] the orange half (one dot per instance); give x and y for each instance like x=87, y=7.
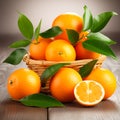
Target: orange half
x=89, y=93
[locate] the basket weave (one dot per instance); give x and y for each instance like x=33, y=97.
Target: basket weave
x=39, y=66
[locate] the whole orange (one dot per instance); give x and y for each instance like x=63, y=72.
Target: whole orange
x=60, y=50
x=68, y=21
x=83, y=53
x=23, y=82
x=106, y=78
x=63, y=83
x=38, y=47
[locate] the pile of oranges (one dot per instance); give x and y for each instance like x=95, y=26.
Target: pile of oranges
x=59, y=48
x=67, y=84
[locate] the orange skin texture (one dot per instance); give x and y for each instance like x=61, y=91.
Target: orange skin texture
x=37, y=48
x=60, y=50
x=63, y=83
x=106, y=78
x=23, y=82
x=83, y=53
x=68, y=21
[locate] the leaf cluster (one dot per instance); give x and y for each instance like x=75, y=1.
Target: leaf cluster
x=27, y=30
x=96, y=41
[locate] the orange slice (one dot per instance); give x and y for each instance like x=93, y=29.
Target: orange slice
x=89, y=93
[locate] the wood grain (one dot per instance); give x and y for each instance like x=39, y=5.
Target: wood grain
x=12, y=110
x=9, y=109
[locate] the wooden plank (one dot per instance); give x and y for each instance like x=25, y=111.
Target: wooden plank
x=9, y=109
x=12, y=110
x=106, y=110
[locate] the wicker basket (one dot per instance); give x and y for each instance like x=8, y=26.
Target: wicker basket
x=40, y=65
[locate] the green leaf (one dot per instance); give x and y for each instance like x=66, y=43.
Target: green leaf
x=37, y=30
x=15, y=57
x=87, y=68
x=73, y=36
x=101, y=37
x=20, y=43
x=87, y=19
x=50, y=71
x=101, y=20
x=41, y=100
x=25, y=26
x=99, y=47
x=52, y=32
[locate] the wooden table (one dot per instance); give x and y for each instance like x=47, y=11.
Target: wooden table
x=11, y=110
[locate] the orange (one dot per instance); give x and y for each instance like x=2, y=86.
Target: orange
x=89, y=93
x=68, y=21
x=60, y=50
x=106, y=78
x=37, y=48
x=23, y=82
x=63, y=83
x=83, y=53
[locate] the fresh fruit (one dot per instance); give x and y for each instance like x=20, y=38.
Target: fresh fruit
x=38, y=47
x=83, y=53
x=23, y=82
x=89, y=93
x=68, y=21
x=106, y=78
x=63, y=83
x=60, y=50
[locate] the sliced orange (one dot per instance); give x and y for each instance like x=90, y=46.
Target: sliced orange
x=89, y=93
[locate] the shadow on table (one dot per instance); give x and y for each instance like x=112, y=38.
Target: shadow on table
x=107, y=105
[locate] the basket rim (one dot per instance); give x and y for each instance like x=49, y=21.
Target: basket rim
x=29, y=60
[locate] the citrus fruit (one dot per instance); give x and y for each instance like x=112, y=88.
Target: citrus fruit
x=60, y=50
x=23, y=82
x=89, y=93
x=106, y=78
x=68, y=21
x=38, y=47
x=63, y=83
x=83, y=53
